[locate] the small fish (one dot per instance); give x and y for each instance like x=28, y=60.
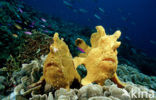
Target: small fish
x=153, y=42
x=28, y=33
x=98, y=17
x=81, y=50
x=83, y=10
x=101, y=10
x=17, y=26
x=15, y=35
x=44, y=20
x=25, y=23
x=20, y=10
x=38, y=50
x=18, y=16
x=43, y=26
x=68, y=4
x=47, y=31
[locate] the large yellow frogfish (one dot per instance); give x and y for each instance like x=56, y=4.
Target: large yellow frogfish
x=59, y=70
x=100, y=59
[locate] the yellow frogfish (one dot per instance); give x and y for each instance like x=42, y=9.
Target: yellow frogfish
x=59, y=70
x=100, y=59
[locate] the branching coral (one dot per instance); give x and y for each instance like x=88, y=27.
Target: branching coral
x=100, y=59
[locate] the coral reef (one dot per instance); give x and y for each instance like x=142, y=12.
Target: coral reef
x=130, y=74
x=29, y=74
x=30, y=50
x=101, y=57
x=109, y=91
x=32, y=47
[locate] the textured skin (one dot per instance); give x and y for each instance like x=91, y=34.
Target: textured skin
x=59, y=70
x=100, y=59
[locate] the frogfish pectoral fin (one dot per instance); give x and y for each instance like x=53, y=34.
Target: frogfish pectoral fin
x=116, y=80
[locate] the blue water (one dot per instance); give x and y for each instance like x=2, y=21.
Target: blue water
x=135, y=18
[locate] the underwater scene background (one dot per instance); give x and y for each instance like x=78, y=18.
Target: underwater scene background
x=134, y=18
x=72, y=50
